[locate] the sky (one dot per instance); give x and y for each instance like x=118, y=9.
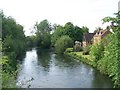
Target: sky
x=80, y=12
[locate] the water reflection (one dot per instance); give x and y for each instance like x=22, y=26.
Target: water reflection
x=44, y=58
x=44, y=69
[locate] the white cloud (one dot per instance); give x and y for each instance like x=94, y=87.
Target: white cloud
x=80, y=12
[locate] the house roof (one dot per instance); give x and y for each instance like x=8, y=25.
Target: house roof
x=101, y=32
x=88, y=36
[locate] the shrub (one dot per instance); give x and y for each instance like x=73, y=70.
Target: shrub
x=110, y=63
x=69, y=50
x=8, y=76
x=62, y=43
x=97, y=51
x=86, y=50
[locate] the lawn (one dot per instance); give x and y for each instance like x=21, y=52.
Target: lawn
x=85, y=56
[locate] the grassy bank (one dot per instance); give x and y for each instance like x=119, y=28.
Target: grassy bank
x=79, y=56
x=83, y=58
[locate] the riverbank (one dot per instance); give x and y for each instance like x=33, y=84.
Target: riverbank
x=85, y=59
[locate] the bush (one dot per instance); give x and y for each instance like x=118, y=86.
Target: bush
x=69, y=50
x=8, y=76
x=97, y=51
x=110, y=63
x=86, y=50
x=63, y=43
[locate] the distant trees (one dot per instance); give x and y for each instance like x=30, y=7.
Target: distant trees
x=74, y=32
x=43, y=34
x=45, y=38
x=85, y=29
x=31, y=41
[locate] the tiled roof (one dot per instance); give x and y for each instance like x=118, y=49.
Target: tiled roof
x=101, y=32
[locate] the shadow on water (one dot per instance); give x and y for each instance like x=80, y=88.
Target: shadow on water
x=63, y=61
x=44, y=58
x=101, y=79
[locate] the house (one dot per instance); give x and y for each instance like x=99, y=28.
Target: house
x=100, y=34
x=87, y=39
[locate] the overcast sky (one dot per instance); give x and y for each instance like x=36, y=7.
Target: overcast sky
x=80, y=12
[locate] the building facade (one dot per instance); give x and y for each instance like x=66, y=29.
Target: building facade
x=87, y=39
x=100, y=34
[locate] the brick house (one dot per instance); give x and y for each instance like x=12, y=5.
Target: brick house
x=87, y=39
x=100, y=34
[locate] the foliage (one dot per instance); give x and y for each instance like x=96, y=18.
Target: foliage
x=13, y=45
x=69, y=29
x=43, y=35
x=85, y=29
x=72, y=31
x=12, y=33
x=97, y=51
x=31, y=41
x=86, y=50
x=110, y=62
x=69, y=50
x=80, y=57
x=8, y=77
x=0, y=46
x=57, y=34
x=62, y=44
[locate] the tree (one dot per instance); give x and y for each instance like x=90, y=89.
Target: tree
x=70, y=30
x=31, y=41
x=63, y=43
x=43, y=27
x=110, y=63
x=85, y=29
x=43, y=34
x=13, y=45
x=78, y=33
x=57, y=34
x=13, y=39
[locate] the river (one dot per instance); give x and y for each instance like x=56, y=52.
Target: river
x=44, y=69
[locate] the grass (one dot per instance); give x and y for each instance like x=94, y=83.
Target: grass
x=85, y=56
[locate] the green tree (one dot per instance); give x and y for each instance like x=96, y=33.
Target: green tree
x=69, y=29
x=57, y=34
x=43, y=34
x=85, y=29
x=110, y=63
x=13, y=45
x=72, y=31
x=31, y=41
x=63, y=43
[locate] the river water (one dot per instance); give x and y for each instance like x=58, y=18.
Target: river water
x=44, y=69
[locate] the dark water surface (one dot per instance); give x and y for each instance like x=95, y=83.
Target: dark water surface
x=44, y=69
